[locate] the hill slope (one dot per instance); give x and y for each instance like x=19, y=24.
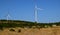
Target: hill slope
x=18, y=23
x=16, y=27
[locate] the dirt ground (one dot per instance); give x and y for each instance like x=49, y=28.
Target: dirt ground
x=31, y=31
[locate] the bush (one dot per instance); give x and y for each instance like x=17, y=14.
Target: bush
x=11, y=30
x=1, y=27
x=19, y=30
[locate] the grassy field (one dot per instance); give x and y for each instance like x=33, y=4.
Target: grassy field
x=17, y=27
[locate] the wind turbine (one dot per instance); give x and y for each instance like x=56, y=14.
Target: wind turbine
x=36, y=11
x=8, y=17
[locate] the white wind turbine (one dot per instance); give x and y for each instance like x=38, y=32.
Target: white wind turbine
x=36, y=12
x=8, y=17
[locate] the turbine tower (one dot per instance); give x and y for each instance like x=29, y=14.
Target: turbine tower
x=36, y=17
x=8, y=16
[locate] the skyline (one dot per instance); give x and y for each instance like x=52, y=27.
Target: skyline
x=24, y=10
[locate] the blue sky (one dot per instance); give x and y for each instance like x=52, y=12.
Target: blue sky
x=24, y=10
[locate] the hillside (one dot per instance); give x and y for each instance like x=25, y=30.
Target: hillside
x=17, y=27
x=18, y=23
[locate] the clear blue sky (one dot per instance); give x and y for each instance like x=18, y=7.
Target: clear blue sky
x=24, y=10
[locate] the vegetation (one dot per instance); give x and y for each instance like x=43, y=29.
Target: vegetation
x=19, y=30
x=22, y=24
x=11, y=30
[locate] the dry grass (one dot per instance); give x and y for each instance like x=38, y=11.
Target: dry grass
x=31, y=31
